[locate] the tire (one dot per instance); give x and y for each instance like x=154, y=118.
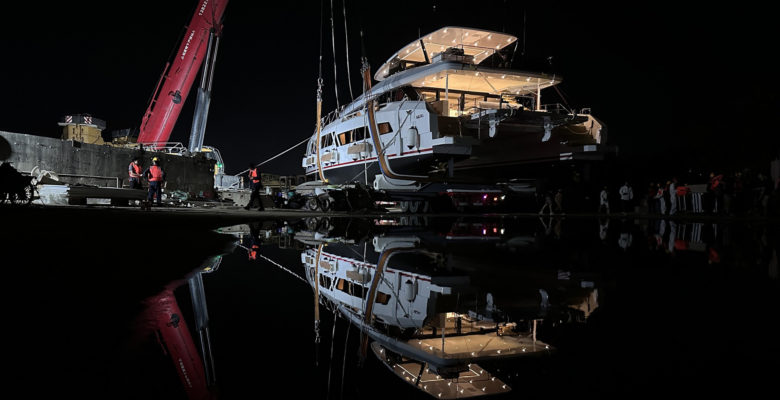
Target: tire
x=311, y=224
x=312, y=204
x=325, y=204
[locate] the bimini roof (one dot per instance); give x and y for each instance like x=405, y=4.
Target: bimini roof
x=462, y=77
x=483, y=80
x=477, y=43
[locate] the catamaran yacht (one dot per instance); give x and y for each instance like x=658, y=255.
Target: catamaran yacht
x=444, y=108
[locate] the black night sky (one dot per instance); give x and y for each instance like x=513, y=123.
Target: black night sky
x=690, y=86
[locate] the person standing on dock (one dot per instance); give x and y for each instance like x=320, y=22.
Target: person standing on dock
x=659, y=198
x=715, y=192
x=626, y=196
x=156, y=177
x=604, y=201
x=134, y=170
x=255, y=183
x=682, y=193
x=548, y=203
x=559, y=201
x=672, y=193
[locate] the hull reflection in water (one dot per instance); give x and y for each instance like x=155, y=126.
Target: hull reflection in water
x=422, y=306
x=510, y=307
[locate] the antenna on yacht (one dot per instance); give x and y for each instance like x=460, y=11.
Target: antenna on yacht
x=524, y=20
x=522, y=54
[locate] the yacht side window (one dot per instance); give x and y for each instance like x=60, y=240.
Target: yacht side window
x=325, y=281
x=360, y=133
x=383, y=298
x=384, y=127
x=327, y=140
x=345, y=138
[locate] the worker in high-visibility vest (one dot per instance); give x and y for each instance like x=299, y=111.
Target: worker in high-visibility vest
x=255, y=183
x=134, y=171
x=682, y=196
x=715, y=191
x=156, y=177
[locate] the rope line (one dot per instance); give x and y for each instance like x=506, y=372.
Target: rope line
x=285, y=269
x=276, y=156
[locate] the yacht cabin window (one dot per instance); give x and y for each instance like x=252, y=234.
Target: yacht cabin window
x=384, y=127
x=357, y=134
x=327, y=140
x=360, y=133
x=345, y=138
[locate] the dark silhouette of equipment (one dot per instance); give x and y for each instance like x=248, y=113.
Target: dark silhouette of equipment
x=15, y=188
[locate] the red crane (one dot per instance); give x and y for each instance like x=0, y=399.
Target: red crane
x=178, y=76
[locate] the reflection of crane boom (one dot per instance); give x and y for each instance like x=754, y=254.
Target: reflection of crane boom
x=178, y=76
x=164, y=317
x=174, y=335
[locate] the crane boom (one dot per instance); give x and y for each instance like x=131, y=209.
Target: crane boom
x=179, y=75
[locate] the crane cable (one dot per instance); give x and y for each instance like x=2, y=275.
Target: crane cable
x=319, y=102
x=346, y=43
x=333, y=42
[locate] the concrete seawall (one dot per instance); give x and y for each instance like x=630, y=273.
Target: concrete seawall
x=102, y=165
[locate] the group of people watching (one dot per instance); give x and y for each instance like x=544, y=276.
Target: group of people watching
x=737, y=194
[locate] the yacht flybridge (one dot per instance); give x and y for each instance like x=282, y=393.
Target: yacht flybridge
x=445, y=108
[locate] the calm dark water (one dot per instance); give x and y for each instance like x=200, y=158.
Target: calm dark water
x=630, y=307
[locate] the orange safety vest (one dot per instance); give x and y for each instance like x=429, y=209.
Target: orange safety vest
x=134, y=169
x=253, y=252
x=254, y=175
x=680, y=244
x=156, y=172
x=715, y=181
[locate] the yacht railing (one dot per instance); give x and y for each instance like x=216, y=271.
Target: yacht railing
x=559, y=108
x=556, y=108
